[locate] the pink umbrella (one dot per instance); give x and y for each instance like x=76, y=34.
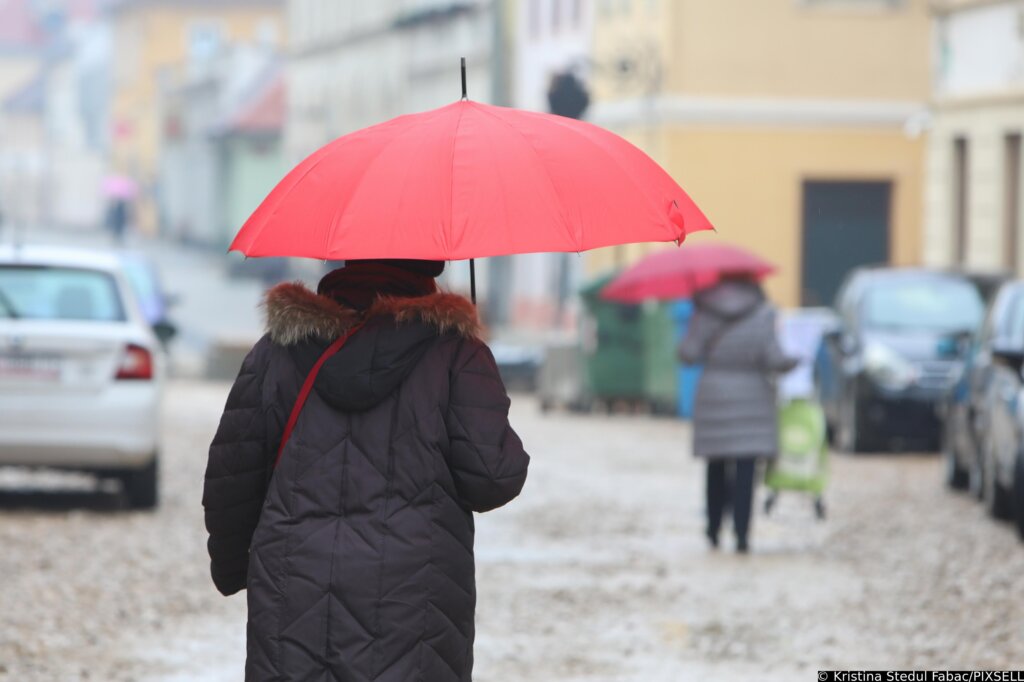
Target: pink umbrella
x=680, y=273
x=119, y=187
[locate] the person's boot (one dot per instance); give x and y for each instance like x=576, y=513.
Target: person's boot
x=712, y=538
x=741, y=546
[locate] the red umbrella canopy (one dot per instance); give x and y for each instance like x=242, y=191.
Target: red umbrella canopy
x=680, y=273
x=469, y=180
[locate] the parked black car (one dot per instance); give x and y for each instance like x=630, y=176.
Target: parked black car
x=964, y=410
x=881, y=375
x=996, y=387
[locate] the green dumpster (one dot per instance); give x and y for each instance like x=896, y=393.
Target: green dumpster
x=660, y=366
x=613, y=346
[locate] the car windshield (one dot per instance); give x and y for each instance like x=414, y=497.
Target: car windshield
x=58, y=293
x=931, y=303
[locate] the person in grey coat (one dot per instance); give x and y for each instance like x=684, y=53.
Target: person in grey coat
x=732, y=334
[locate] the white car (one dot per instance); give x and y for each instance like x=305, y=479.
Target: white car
x=81, y=372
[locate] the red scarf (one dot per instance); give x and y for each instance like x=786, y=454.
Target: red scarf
x=358, y=285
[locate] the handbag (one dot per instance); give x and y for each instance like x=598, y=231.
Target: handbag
x=307, y=387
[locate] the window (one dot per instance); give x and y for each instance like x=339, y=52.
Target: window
x=204, y=39
x=266, y=32
x=923, y=304
x=1015, y=334
x=1011, y=202
x=45, y=293
x=961, y=199
x=534, y=18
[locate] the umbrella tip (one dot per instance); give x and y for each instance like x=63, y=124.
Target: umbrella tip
x=463, y=67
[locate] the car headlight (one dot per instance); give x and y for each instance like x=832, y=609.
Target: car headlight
x=888, y=368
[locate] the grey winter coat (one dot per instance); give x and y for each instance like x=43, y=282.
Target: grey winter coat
x=732, y=334
x=357, y=550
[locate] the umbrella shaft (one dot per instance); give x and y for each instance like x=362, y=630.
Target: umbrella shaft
x=464, y=96
x=472, y=279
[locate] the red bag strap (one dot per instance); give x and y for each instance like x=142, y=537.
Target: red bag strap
x=307, y=387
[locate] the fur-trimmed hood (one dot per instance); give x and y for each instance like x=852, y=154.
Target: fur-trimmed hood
x=295, y=314
x=397, y=333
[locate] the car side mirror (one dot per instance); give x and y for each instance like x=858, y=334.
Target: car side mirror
x=1008, y=354
x=165, y=331
x=845, y=343
x=956, y=345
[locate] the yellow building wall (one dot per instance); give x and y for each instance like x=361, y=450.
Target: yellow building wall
x=149, y=40
x=768, y=48
x=748, y=174
x=152, y=38
x=798, y=48
x=749, y=182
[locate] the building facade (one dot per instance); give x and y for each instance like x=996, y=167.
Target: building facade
x=974, y=178
x=795, y=124
x=221, y=145
x=155, y=42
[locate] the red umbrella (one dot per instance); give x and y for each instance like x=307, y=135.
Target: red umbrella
x=469, y=180
x=680, y=273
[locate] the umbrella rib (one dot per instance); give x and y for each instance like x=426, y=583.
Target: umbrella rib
x=451, y=189
x=565, y=224
x=321, y=155
x=324, y=153
x=618, y=164
x=336, y=217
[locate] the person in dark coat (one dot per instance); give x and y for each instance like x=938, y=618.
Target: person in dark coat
x=357, y=550
x=735, y=417
x=118, y=216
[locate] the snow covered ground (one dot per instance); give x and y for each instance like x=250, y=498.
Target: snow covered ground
x=598, y=572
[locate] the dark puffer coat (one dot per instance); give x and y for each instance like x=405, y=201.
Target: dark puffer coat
x=357, y=550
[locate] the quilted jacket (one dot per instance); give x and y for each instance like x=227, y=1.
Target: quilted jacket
x=357, y=550
x=732, y=334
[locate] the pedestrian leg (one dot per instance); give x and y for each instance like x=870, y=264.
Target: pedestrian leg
x=743, y=499
x=715, y=498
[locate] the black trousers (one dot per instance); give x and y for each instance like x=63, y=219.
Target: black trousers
x=731, y=485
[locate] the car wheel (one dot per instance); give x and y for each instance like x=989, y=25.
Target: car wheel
x=956, y=476
x=995, y=497
x=976, y=472
x=1018, y=494
x=141, y=485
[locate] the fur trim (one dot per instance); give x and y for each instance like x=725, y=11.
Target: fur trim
x=447, y=312
x=294, y=313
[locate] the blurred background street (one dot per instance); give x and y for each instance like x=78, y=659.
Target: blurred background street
x=866, y=152
x=598, y=572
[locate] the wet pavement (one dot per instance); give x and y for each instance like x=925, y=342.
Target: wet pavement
x=599, y=572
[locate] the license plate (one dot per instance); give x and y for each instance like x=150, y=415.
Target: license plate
x=30, y=367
